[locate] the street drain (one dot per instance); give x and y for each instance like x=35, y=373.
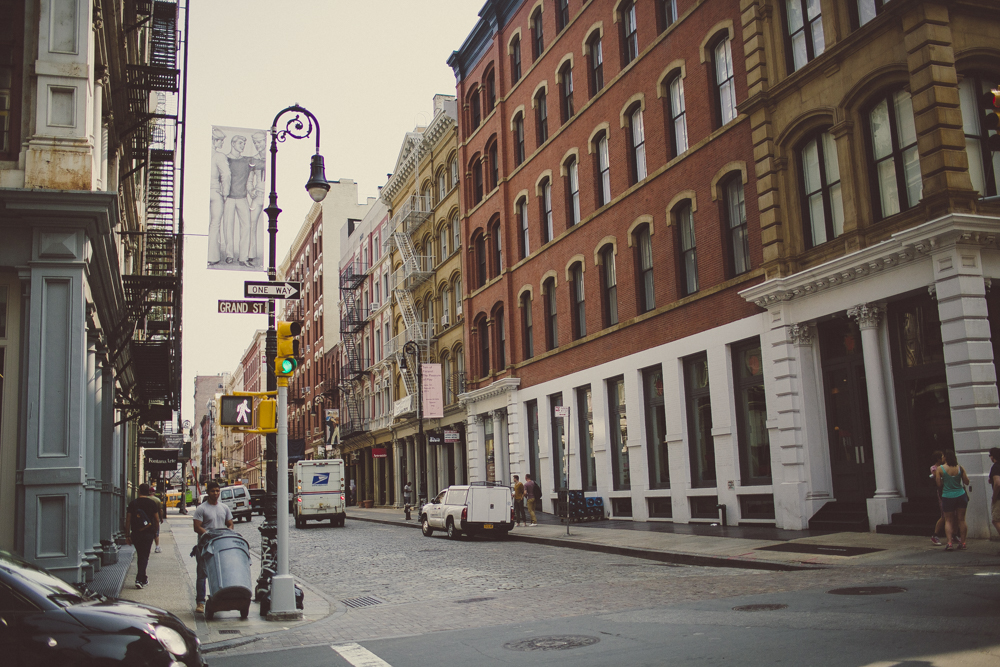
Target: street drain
x=867, y=590
x=760, y=607
x=470, y=600
x=553, y=643
x=229, y=632
x=365, y=601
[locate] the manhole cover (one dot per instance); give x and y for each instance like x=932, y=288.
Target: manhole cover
x=365, y=601
x=867, y=590
x=760, y=607
x=229, y=632
x=554, y=643
x=470, y=600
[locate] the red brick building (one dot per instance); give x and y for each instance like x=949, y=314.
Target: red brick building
x=609, y=221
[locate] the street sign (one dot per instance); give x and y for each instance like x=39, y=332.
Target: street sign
x=243, y=307
x=562, y=411
x=149, y=439
x=174, y=440
x=286, y=290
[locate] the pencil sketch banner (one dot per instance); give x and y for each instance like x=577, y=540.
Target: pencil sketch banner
x=236, y=223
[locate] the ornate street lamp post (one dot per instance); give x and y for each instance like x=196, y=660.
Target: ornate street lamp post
x=274, y=581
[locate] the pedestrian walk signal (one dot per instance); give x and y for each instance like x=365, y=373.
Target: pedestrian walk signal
x=236, y=411
x=287, y=358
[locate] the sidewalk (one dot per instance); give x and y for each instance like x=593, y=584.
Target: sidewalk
x=172, y=575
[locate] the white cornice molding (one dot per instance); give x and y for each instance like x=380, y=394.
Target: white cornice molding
x=423, y=141
x=901, y=248
x=494, y=389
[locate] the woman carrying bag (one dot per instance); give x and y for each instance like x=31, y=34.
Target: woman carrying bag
x=951, y=480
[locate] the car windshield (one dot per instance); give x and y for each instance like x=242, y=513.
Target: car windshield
x=46, y=584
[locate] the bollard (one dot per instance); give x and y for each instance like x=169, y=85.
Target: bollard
x=722, y=514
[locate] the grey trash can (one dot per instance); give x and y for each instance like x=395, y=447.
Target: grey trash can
x=226, y=556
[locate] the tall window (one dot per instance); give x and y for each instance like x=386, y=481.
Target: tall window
x=637, y=135
x=620, y=468
x=458, y=296
x=496, y=249
x=491, y=91
x=572, y=192
x=578, y=301
x=678, y=117
x=656, y=427
x=725, y=82
x=446, y=306
x=442, y=185
x=518, y=139
x=751, y=413
x=689, y=253
x=499, y=326
x=449, y=390
x=548, y=231
x=531, y=407
x=524, y=247
x=494, y=166
x=11, y=55
x=596, y=57
x=477, y=180
x=603, y=164
x=667, y=14
x=515, y=60
x=822, y=205
x=585, y=422
x=562, y=14
x=527, y=328
x=456, y=233
x=541, y=117
x=484, y=346
x=804, y=23
x=443, y=241
x=893, y=141
x=566, y=74
x=630, y=39
x=454, y=172
x=736, y=215
x=551, y=325
x=869, y=9
x=984, y=164
x=537, y=36
x=699, y=421
x=644, y=261
x=559, y=462
x=474, y=109
x=480, y=246
x=609, y=284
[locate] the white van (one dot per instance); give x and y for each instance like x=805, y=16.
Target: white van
x=237, y=498
x=319, y=492
x=477, y=508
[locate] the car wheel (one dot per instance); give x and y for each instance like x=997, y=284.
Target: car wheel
x=453, y=533
x=425, y=527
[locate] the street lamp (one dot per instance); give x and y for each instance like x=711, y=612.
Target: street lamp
x=411, y=347
x=274, y=577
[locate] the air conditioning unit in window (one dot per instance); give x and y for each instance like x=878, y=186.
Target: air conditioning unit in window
x=444, y=320
x=374, y=306
x=458, y=310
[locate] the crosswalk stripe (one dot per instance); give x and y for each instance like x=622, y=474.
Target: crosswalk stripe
x=359, y=656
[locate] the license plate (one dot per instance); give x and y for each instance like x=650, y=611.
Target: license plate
x=488, y=526
x=239, y=504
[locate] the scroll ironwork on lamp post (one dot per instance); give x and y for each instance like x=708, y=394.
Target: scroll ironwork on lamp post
x=274, y=530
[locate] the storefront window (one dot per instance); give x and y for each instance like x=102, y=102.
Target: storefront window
x=622, y=477
x=656, y=427
x=533, y=462
x=751, y=410
x=558, y=443
x=588, y=466
x=699, y=415
x=491, y=463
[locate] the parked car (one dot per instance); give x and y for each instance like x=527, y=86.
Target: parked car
x=257, y=500
x=473, y=509
x=45, y=621
x=237, y=497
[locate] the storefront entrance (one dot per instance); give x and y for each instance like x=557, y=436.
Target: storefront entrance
x=847, y=418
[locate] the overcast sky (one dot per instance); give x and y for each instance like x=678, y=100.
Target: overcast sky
x=367, y=70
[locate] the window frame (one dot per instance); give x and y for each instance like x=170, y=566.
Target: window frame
x=515, y=60
x=629, y=32
x=562, y=15
x=572, y=191
x=548, y=228
x=677, y=114
x=527, y=327
x=609, y=286
x=724, y=89
x=987, y=161
x=621, y=469
x=666, y=14
x=11, y=116
x=585, y=428
x=825, y=191
x=483, y=329
x=602, y=164
x=808, y=31
x=578, y=301
x=519, y=154
x=741, y=386
x=551, y=307
x=687, y=245
x=637, y=144
x=654, y=404
x=897, y=154
x=537, y=35
x=645, y=286
x=736, y=230
x=481, y=259
x=524, y=246
x=566, y=90
x=700, y=441
x=541, y=117
x=595, y=64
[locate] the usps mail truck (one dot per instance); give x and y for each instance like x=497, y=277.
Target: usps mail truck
x=319, y=492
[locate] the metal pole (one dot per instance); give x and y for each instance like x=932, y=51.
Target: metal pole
x=282, y=583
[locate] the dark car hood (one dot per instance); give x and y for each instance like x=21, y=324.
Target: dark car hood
x=113, y=615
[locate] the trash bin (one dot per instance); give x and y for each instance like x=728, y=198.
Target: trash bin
x=226, y=555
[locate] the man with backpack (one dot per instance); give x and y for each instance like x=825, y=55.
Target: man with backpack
x=142, y=523
x=533, y=493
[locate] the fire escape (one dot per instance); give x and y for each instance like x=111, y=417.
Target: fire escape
x=414, y=271
x=152, y=282
x=352, y=324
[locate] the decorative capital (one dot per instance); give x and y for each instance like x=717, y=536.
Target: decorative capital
x=800, y=334
x=932, y=290
x=867, y=315
x=473, y=419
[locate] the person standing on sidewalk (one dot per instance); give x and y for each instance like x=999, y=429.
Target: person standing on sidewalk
x=519, y=502
x=407, y=497
x=529, y=492
x=210, y=514
x=142, y=523
x=951, y=479
x=994, y=482
x=938, y=457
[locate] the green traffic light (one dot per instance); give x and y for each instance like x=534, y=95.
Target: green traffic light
x=287, y=365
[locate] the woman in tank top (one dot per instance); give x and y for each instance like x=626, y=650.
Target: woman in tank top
x=951, y=480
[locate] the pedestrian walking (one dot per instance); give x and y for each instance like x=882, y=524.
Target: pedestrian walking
x=353, y=500
x=938, y=457
x=210, y=514
x=951, y=480
x=530, y=489
x=994, y=482
x=407, y=498
x=141, y=525
x=519, y=519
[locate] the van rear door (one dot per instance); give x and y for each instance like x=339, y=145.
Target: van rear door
x=489, y=504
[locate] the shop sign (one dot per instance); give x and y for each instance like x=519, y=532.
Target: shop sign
x=451, y=436
x=378, y=453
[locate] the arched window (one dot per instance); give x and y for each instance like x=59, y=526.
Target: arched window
x=524, y=245
x=518, y=139
x=725, y=81
x=666, y=14
x=736, y=225
x=449, y=390
x=427, y=198
x=475, y=110
x=454, y=172
x=442, y=180
x=484, y=346
x=456, y=233
x=537, y=35
x=496, y=251
x=602, y=170
x=551, y=312
x=443, y=234
x=643, y=244
x=677, y=116
x=499, y=327
x=577, y=301
x=822, y=204
x=637, y=144
x=476, y=167
x=629, y=37
x=457, y=289
x=566, y=87
x=595, y=61
x=687, y=248
x=527, y=328
x=445, y=306
x=562, y=14
x=479, y=243
x=545, y=201
x=572, y=192
x=494, y=164
x=892, y=141
x=609, y=286
x=490, y=85
x=541, y=117
x=515, y=60
x=984, y=163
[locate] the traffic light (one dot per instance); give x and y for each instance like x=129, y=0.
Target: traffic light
x=287, y=358
x=991, y=121
x=267, y=414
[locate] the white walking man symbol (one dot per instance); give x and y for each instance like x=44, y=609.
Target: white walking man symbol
x=243, y=412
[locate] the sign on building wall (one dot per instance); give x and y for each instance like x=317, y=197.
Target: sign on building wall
x=237, y=192
x=432, y=397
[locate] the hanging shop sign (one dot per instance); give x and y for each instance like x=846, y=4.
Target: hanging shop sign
x=378, y=453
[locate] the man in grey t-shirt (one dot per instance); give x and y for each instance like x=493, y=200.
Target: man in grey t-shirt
x=210, y=514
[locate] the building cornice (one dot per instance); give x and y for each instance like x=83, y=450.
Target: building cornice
x=494, y=389
x=899, y=249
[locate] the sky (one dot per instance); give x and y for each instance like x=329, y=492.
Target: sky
x=367, y=70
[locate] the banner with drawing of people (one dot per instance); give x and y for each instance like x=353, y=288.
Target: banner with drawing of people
x=237, y=197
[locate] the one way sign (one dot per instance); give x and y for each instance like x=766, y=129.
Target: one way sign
x=284, y=290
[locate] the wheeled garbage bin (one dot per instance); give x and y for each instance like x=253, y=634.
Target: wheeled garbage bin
x=226, y=557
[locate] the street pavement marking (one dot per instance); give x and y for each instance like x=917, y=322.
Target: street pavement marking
x=359, y=656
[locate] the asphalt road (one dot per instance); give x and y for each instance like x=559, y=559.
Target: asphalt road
x=432, y=601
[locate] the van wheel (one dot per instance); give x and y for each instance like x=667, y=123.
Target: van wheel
x=299, y=522
x=453, y=533
x=425, y=527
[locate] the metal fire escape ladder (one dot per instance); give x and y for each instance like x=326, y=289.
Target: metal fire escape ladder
x=352, y=324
